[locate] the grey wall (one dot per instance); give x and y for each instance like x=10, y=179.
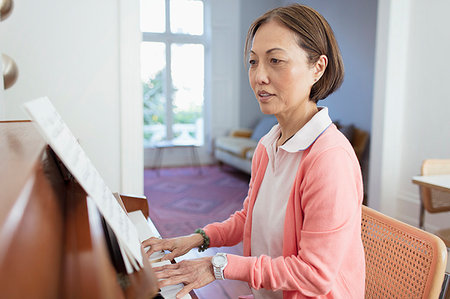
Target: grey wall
x=249, y=111
x=354, y=24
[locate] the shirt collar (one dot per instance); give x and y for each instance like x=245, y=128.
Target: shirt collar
x=305, y=136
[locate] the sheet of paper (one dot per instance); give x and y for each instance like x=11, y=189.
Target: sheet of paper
x=146, y=230
x=65, y=145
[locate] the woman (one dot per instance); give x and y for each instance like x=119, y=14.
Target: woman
x=301, y=221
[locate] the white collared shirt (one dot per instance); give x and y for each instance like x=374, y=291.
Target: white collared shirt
x=271, y=202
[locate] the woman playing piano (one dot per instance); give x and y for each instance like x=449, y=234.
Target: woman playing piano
x=301, y=221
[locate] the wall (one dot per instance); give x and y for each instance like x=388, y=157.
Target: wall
x=427, y=103
x=69, y=51
x=411, y=113
x=249, y=112
x=354, y=25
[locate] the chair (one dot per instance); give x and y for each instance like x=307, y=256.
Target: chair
x=435, y=201
x=402, y=261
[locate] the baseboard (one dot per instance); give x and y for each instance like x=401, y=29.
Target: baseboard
x=408, y=207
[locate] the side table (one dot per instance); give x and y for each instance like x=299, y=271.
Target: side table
x=165, y=144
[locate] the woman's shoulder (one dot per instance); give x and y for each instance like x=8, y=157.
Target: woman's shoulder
x=331, y=140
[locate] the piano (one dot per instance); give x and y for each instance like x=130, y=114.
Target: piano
x=54, y=243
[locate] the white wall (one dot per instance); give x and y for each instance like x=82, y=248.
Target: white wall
x=411, y=104
x=69, y=51
x=427, y=104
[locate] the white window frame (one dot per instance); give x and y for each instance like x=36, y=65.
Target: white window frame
x=169, y=38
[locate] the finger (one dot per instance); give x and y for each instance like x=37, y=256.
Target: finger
x=152, y=245
x=165, y=267
x=154, y=248
x=165, y=279
x=184, y=291
x=168, y=280
x=150, y=241
x=169, y=256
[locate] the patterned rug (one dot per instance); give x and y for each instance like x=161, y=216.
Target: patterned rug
x=183, y=199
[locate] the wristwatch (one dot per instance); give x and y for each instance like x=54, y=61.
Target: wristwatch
x=219, y=262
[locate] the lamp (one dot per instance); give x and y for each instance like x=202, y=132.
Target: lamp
x=10, y=71
x=6, y=7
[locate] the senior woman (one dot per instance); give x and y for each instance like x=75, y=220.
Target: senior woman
x=301, y=221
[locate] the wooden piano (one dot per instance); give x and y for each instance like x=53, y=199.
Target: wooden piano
x=53, y=242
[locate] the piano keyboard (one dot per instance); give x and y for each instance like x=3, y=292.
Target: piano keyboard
x=147, y=230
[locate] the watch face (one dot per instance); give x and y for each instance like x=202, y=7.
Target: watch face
x=219, y=260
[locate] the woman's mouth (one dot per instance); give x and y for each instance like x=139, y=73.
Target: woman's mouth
x=264, y=96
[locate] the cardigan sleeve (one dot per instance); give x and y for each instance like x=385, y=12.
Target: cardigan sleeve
x=330, y=194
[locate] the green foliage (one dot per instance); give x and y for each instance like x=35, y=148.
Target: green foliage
x=154, y=102
x=188, y=116
x=154, y=107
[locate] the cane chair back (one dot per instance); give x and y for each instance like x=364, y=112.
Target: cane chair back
x=433, y=200
x=401, y=261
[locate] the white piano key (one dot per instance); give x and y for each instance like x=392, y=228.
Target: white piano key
x=146, y=230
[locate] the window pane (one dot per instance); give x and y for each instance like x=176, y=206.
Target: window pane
x=186, y=16
x=153, y=16
x=187, y=78
x=153, y=68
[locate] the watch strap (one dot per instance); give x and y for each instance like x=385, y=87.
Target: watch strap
x=218, y=273
x=218, y=270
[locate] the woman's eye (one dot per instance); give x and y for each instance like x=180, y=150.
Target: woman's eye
x=252, y=61
x=274, y=60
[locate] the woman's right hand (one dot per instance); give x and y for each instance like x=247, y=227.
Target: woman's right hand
x=177, y=246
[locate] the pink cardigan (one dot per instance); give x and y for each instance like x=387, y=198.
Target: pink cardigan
x=323, y=256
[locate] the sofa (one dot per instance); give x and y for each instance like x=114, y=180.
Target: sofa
x=237, y=148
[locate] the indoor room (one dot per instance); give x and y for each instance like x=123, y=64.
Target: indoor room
x=158, y=115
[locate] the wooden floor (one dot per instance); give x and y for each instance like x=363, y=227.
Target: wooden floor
x=220, y=289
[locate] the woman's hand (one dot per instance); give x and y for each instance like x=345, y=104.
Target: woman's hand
x=176, y=246
x=193, y=273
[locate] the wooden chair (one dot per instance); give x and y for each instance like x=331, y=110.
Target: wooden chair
x=432, y=200
x=402, y=261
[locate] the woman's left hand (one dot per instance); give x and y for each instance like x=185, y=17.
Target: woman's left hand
x=193, y=273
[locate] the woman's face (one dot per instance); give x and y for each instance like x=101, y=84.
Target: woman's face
x=279, y=72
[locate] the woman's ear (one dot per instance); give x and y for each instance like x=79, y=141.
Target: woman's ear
x=319, y=67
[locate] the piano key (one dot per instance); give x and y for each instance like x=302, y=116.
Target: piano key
x=145, y=231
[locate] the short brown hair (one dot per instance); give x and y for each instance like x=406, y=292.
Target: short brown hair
x=315, y=37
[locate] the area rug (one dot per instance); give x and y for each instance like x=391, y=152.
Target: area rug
x=184, y=199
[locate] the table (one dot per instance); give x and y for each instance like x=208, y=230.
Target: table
x=439, y=182
x=160, y=146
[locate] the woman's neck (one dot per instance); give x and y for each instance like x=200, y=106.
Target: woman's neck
x=291, y=123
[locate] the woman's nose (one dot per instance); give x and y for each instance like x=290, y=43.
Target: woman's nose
x=261, y=75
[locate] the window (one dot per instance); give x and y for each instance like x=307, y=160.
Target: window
x=172, y=70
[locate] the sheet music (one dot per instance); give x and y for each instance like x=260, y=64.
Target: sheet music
x=65, y=145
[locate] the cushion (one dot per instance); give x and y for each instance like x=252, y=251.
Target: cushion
x=263, y=127
x=236, y=145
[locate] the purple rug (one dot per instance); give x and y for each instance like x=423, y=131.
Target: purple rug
x=182, y=199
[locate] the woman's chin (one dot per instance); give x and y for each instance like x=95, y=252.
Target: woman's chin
x=266, y=109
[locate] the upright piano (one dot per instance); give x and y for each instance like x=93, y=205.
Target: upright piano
x=54, y=243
